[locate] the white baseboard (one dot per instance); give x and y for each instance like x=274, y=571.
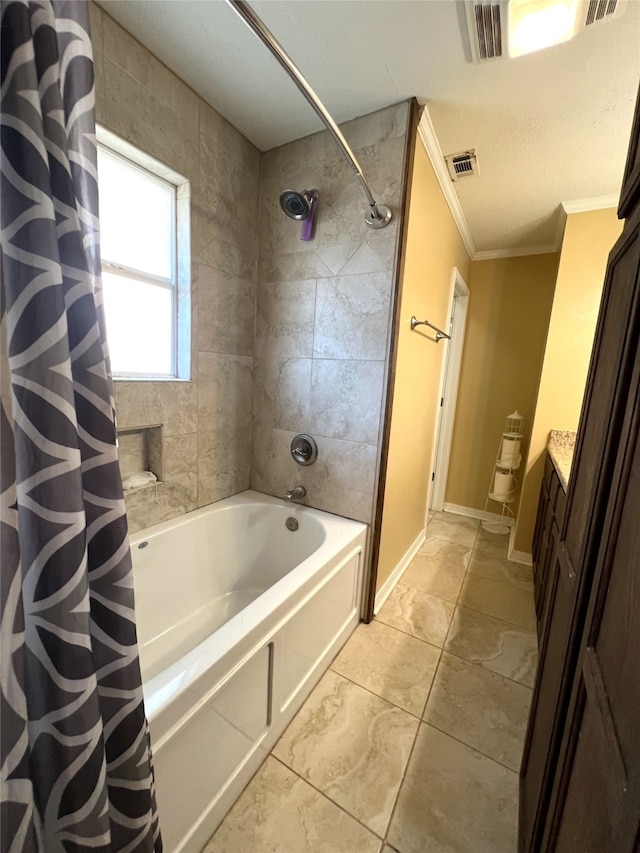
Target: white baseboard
x=518, y=556
x=472, y=512
x=387, y=587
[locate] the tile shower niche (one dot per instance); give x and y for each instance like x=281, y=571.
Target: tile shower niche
x=140, y=449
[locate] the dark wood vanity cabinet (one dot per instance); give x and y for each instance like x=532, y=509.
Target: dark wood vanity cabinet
x=580, y=776
x=551, y=506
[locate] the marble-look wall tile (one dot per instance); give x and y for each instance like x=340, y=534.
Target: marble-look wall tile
x=176, y=495
x=217, y=128
x=126, y=52
x=368, y=130
x=226, y=312
x=225, y=391
x=344, y=206
x=341, y=480
x=352, y=317
x=224, y=463
x=227, y=192
x=346, y=398
x=208, y=248
x=292, y=266
x=140, y=100
x=96, y=22
x=142, y=118
x=174, y=405
x=229, y=219
x=280, y=163
x=284, y=319
x=281, y=392
x=352, y=259
x=180, y=465
x=386, y=248
x=273, y=470
x=332, y=292
x=132, y=453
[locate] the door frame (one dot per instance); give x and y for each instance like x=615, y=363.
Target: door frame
x=449, y=381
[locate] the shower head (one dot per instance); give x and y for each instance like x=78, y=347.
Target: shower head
x=297, y=205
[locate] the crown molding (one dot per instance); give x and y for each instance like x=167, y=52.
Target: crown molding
x=427, y=134
x=492, y=254
x=583, y=205
x=429, y=139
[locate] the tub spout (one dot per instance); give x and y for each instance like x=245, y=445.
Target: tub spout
x=296, y=495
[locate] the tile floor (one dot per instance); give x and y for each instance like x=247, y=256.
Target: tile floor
x=411, y=741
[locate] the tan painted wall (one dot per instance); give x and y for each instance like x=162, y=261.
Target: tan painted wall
x=509, y=310
x=433, y=249
x=588, y=238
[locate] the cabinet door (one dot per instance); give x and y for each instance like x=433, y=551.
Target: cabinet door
x=601, y=809
x=540, y=547
x=537, y=542
x=572, y=694
x=550, y=697
x=595, y=796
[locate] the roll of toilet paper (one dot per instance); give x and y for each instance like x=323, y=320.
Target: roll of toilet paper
x=510, y=450
x=501, y=485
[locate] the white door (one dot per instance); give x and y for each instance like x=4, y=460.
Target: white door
x=449, y=390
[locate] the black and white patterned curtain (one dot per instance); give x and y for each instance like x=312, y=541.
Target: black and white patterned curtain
x=75, y=759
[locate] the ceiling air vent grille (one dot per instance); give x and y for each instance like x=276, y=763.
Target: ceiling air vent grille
x=599, y=10
x=485, y=19
x=462, y=165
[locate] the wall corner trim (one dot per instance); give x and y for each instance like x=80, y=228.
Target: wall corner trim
x=429, y=139
x=388, y=586
x=522, y=557
x=583, y=205
x=491, y=254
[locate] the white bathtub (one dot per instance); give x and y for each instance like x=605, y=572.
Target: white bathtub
x=238, y=617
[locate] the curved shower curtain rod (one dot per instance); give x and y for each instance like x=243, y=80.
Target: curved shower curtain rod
x=379, y=215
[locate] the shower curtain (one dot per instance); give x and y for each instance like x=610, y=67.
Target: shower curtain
x=75, y=758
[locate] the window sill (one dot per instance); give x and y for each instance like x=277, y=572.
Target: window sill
x=150, y=379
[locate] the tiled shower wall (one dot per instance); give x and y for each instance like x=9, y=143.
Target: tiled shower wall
x=321, y=309
x=206, y=422
x=323, y=315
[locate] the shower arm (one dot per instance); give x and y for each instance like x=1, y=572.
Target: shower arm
x=379, y=215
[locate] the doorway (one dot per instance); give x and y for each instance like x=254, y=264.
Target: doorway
x=458, y=306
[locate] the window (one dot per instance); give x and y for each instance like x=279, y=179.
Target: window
x=142, y=234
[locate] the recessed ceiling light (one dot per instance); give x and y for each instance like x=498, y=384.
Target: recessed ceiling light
x=536, y=24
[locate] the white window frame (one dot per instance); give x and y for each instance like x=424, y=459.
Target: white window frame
x=180, y=282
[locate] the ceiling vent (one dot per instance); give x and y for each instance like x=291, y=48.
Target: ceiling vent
x=487, y=21
x=603, y=10
x=462, y=165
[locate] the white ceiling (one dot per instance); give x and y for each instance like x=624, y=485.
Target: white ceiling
x=548, y=128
